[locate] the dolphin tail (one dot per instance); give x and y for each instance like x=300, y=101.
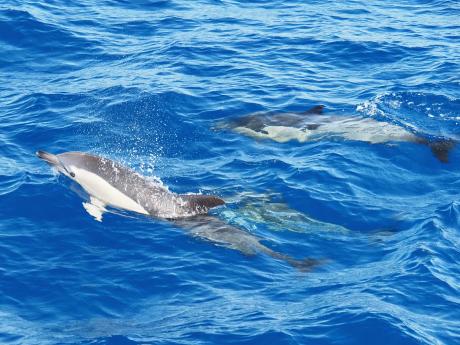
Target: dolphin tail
x=440, y=148
x=303, y=265
x=48, y=157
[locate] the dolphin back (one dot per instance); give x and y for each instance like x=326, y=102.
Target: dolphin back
x=202, y=202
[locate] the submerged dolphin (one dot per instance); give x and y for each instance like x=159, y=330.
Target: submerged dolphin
x=215, y=230
x=109, y=183
x=313, y=125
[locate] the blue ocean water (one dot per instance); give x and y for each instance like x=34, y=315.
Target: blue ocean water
x=145, y=82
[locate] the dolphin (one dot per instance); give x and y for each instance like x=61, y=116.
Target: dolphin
x=313, y=125
x=217, y=231
x=109, y=183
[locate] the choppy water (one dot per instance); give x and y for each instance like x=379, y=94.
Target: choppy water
x=145, y=82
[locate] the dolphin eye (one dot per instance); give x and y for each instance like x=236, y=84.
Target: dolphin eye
x=72, y=174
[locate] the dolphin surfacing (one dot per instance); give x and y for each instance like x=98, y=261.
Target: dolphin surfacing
x=313, y=125
x=109, y=183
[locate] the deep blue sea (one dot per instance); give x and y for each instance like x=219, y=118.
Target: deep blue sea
x=145, y=83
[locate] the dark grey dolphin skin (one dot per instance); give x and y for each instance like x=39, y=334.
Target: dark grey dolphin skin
x=215, y=230
x=257, y=122
x=103, y=179
x=312, y=124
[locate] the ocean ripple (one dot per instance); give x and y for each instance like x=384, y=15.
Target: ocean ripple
x=147, y=83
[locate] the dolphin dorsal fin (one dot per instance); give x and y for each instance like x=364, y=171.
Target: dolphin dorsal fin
x=206, y=202
x=441, y=149
x=316, y=110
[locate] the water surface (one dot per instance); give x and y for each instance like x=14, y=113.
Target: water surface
x=145, y=83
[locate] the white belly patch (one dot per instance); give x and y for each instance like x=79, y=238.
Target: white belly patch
x=280, y=134
x=99, y=188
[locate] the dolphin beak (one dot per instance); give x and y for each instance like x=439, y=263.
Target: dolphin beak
x=48, y=158
x=54, y=161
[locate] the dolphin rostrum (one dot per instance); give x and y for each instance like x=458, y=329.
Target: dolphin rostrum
x=109, y=183
x=313, y=125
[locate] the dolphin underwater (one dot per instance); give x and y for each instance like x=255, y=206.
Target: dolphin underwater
x=109, y=183
x=313, y=125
